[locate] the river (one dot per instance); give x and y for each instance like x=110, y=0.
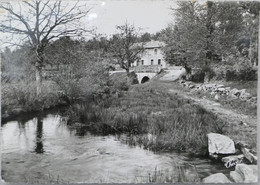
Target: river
x=44, y=149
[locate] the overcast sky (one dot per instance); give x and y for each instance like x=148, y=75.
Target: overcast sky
x=151, y=15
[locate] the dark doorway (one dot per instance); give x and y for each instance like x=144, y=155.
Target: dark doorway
x=145, y=79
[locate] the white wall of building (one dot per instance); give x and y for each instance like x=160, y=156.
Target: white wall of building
x=151, y=56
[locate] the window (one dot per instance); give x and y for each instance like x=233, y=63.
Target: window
x=159, y=61
x=152, y=62
x=142, y=62
x=155, y=51
x=138, y=63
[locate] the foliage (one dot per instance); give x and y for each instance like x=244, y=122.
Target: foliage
x=40, y=23
x=241, y=70
x=124, y=46
x=205, y=34
x=122, y=81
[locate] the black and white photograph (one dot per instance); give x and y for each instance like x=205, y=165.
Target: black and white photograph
x=129, y=91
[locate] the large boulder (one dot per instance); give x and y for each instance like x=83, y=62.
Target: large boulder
x=244, y=173
x=220, y=144
x=216, y=178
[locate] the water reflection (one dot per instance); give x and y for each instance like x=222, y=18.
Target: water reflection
x=39, y=136
x=73, y=157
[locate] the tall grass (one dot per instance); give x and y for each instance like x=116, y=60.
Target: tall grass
x=153, y=118
x=23, y=95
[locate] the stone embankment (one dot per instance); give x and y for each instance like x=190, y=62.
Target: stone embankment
x=232, y=155
x=220, y=91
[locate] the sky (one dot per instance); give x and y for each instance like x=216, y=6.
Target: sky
x=150, y=15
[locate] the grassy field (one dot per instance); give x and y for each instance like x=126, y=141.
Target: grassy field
x=152, y=117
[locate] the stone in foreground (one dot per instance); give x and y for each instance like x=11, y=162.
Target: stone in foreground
x=220, y=144
x=249, y=156
x=216, y=178
x=244, y=173
x=232, y=160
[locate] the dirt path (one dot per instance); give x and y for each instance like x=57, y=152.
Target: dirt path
x=239, y=127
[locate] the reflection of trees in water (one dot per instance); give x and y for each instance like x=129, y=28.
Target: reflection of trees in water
x=21, y=126
x=39, y=136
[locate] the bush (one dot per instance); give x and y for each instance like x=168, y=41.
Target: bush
x=122, y=81
x=198, y=76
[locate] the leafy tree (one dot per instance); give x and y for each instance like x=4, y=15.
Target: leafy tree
x=249, y=37
x=40, y=22
x=125, y=46
x=203, y=33
x=80, y=70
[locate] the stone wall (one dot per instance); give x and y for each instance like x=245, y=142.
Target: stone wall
x=220, y=91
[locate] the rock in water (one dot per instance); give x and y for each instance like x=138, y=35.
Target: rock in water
x=220, y=144
x=244, y=173
x=216, y=178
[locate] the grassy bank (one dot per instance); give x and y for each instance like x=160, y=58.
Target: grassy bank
x=155, y=119
x=21, y=97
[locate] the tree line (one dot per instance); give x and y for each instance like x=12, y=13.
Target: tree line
x=202, y=35
x=205, y=34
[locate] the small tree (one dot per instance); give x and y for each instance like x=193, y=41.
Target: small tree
x=125, y=46
x=38, y=22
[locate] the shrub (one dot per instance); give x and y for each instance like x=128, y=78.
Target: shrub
x=122, y=81
x=198, y=76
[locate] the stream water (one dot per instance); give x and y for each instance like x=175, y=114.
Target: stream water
x=43, y=149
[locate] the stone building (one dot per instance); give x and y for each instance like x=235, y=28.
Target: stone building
x=152, y=55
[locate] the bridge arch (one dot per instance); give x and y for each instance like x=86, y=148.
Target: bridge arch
x=145, y=79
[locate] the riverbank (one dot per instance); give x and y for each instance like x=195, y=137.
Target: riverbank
x=153, y=117
x=162, y=116
x=240, y=116
x=21, y=98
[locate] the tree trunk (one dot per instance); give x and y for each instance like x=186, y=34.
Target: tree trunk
x=38, y=75
x=250, y=52
x=38, y=68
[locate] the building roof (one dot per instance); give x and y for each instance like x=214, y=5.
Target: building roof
x=150, y=44
x=154, y=44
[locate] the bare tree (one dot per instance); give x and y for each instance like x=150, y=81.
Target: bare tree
x=37, y=22
x=125, y=46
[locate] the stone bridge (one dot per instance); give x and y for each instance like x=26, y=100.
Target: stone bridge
x=144, y=77
x=144, y=73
